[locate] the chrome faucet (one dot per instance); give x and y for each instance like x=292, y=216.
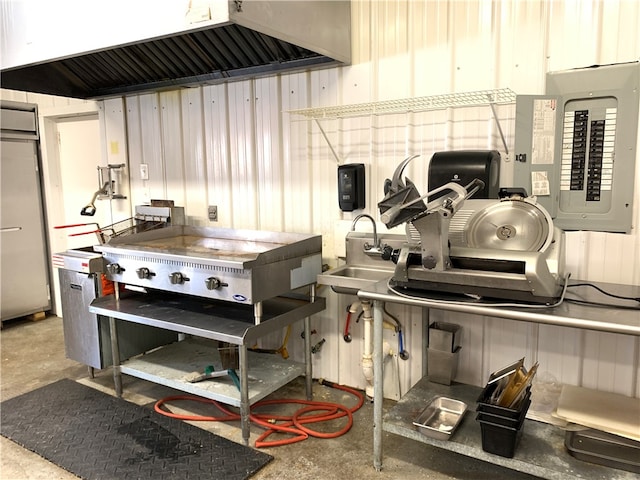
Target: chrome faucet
x=376, y=248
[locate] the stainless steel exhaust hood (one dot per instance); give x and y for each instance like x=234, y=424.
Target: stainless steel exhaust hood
x=255, y=38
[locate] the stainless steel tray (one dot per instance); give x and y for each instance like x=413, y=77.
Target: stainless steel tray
x=604, y=448
x=441, y=417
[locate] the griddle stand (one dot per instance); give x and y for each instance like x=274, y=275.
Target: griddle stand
x=228, y=322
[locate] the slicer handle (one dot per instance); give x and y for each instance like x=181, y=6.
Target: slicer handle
x=474, y=186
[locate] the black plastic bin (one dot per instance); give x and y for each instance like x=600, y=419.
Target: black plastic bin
x=499, y=439
x=501, y=426
x=513, y=413
x=503, y=420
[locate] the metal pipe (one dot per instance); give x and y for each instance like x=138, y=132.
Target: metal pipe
x=377, y=384
x=257, y=312
x=367, y=353
x=375, y=229
x=367, y=357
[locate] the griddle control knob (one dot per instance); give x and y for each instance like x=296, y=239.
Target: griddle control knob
x=178, y=278
x=114, y=268
x=214, y=283
x=144, y=272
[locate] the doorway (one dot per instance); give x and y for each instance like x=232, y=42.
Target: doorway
x=73, y=154
x=79, y=154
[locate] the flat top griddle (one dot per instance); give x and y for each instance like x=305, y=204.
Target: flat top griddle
x=245, y=248
x=191, y=245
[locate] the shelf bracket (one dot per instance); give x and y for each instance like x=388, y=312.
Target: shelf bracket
x=495, y=117
x=326, y=138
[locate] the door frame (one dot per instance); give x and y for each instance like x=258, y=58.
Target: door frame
x=48, y=119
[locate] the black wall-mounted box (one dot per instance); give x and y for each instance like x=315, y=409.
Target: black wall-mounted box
x=463, y=167
x=351, y=192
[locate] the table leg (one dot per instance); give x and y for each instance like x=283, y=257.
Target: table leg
x=244, y=395
x=115, y=347
x=378, y=382
x=115, y=354
x=307, y=349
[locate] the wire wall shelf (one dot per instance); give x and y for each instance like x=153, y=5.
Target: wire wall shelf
x=411, y=105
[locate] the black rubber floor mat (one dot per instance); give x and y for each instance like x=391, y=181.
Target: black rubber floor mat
x=97, y=436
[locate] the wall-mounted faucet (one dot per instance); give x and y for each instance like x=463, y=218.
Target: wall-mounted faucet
x=376, y=248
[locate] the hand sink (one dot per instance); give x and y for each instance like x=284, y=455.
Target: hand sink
x=348, y=279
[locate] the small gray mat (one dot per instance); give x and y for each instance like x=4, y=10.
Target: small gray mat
x=97, y=436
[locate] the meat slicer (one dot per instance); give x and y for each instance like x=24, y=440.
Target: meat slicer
x=506, y=248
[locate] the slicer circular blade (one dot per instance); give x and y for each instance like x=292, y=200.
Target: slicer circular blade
x=510, y=225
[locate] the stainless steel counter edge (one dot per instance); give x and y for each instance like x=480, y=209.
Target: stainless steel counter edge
x=604, y=319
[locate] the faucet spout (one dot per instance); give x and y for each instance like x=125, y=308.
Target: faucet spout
x=376, y=244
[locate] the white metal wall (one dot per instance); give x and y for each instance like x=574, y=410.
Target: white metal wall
x=235, y=146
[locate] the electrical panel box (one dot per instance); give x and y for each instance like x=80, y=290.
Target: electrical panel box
x=576, y=146
x=351, y=187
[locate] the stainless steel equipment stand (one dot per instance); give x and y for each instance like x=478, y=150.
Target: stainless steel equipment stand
x=244, y=395
x=236, y=324
x=378, y=383
x=626, y=322
x=115, y=347
x=307, y=347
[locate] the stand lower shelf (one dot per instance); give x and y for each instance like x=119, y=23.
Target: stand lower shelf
x=540, y=452
x=171, y=364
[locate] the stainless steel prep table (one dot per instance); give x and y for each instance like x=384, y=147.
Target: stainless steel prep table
x=228, y=322
x=567, y=314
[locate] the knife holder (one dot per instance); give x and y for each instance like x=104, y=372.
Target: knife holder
x=442, y=366
x=444, y=336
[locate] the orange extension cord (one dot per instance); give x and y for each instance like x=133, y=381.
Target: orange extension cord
x=292, y=425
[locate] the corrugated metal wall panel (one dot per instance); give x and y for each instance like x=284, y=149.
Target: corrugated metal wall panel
x=113, y=127
x=242, y=155
x=323, y=167
x=506, y=341
x=172, y=134
x=269, y=153
x=560, y=353
x=138, y=190
x=235, y=146
x=195, y=173
x=609, y=363
x=218, y=158
x=152, y=145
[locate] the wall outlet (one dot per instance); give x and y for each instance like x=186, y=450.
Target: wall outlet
x=144, y=171
x=213, y=213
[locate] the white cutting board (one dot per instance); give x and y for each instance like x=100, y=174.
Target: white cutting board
x=609, y=412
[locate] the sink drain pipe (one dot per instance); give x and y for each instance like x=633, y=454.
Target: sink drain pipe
x=367, y=354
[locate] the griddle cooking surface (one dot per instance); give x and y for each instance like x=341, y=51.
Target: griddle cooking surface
x=197, y=246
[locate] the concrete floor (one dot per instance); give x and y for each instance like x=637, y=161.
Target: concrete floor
x=33, y=356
